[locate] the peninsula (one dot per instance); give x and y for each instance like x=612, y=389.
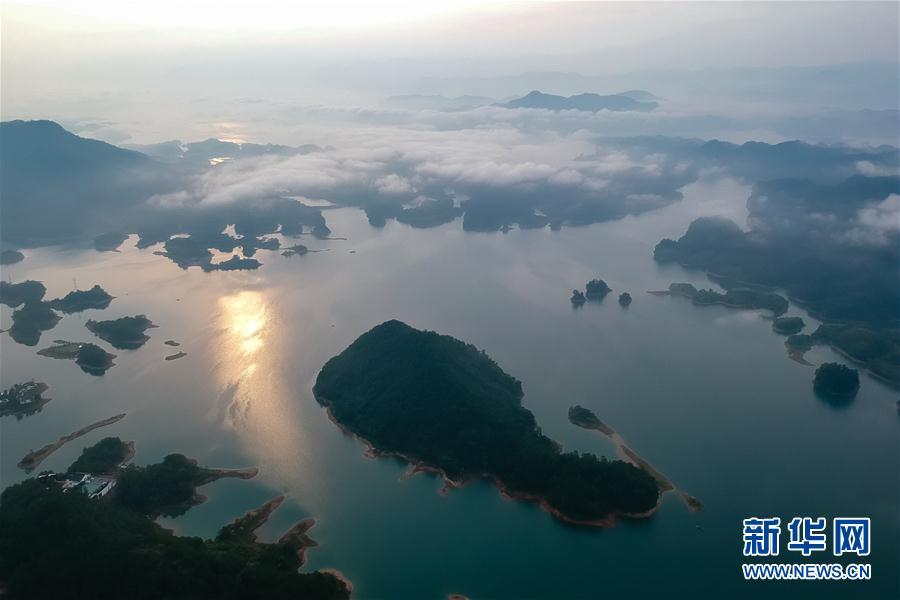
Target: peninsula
x=105, y=456
x=34, y=458
x=117, y=552
x=169, y=488
x=444, y=405
x=732, y=298
x=586, y=419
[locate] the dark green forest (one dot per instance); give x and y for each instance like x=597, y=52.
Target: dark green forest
x=436, y=399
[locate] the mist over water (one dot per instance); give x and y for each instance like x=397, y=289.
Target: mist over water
x=707, y=394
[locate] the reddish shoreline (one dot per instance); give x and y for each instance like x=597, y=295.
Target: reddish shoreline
x=418, y=466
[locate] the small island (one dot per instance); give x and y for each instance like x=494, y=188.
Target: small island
x=172, y=343
x=92, y=359
x=445, y=406
x=788, y=325
x=295, y=250
x=578, y=298
x=23, y=399
x=11, y=257
x=79, y=300
x=732, y=298
x=176, y=356
x=30, y=321
x=235, y=263
x=624, y=299
x=836, y=381
x=596, y=289
x=126, y=333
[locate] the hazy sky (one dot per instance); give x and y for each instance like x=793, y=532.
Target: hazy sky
x=72, y=59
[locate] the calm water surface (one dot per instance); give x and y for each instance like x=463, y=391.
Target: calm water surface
x=706, y=394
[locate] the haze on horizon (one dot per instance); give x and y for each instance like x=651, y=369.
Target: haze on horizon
x=144, y=72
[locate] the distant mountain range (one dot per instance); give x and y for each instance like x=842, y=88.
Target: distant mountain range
x=586, y=102
x=213, y=151
x=52, y=182
x=637, y=100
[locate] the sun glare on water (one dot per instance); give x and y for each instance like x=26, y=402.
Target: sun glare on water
x=257, y=402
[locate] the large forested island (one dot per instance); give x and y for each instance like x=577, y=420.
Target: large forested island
x=444, y=404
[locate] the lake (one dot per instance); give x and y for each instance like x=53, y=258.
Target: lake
x=706, y=394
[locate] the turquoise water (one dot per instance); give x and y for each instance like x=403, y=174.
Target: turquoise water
x=707, y=395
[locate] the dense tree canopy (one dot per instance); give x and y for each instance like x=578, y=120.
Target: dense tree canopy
x=436, y=399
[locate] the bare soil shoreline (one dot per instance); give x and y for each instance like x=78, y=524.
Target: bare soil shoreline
x=418, y=466
x=628, y=455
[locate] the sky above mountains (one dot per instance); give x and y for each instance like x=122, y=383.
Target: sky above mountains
x=149, y=71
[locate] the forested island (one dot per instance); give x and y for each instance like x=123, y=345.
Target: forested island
x=295, y=250
x=235, y=263
x=23, y=399
x=835, y=381
x=596, y=289
x=126, y=333
x=624, y=299
x=30, y=321
x=92, y=359
x=445, y=405
x=577, y=298
x=788, y=325
x=11, y=257
x=79, y=300
x=14, y=294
